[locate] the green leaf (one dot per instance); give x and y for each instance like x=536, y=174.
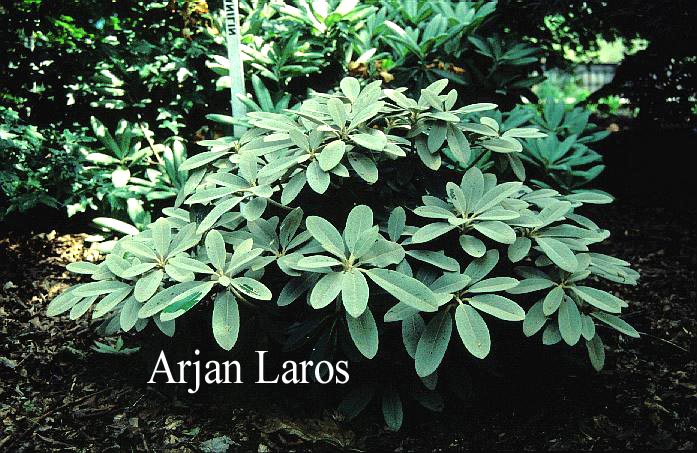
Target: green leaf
x=317, y=262
x=172, y=295
x=175, y=310
x=190, y=264
x=317, y=179
x=136, y=270
x=115, y=225
x=326, y=290
x=502, y=145
x=598, y=298
x=358, y=221
x=405, y=289
x=495, y=284
x=129, y=314
x=569, y=320
x=551, y=335
x=81, y=307
x=437, y=259
x=290, y=226
x=430, y=160
x=392, y=409
x=365, y=167
x=496, y=195
x=252, y=288
x=293, y=188
x=350, y=87
x=216, y=213
x=535, y=319
x=331, y=155
x=433, y=344
x=553, y=300
x=62, y=303
x=295, y=288
x=473, y=331
x=435, y=212
x=559, y=253
x=473, y=246
x=498, y=306
x=587, y=327
x=215, y=249
x=459, y=145
x=205, y=195
x=82, y=267
x=375, y=141
x=430, y=232
x=161, y=236
x=337, y=111
x=109, y=301
x=120, y=177
x=364, y=333
x=480, y=268
x=436, y=137
x=354, y=292
x=450, y=282
x=496, y=230
x=117, y=265
x=253, y=208
x=457, y=197
x=327, y=236
x=616, y=323
x=596, y=352
x=226, y=320
x=519, y=249
x=530, y=285
x=412, y=328
x=166, y=327
x=201, y=159
x=98, y=288
x=104, y=136
x=396, y=223
x=383, y=253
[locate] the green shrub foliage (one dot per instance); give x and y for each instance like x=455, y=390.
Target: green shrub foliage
x=37, y=167
x=368, y=210
x=153, y=67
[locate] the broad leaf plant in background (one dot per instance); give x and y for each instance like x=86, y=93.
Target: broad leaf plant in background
x=365, y=212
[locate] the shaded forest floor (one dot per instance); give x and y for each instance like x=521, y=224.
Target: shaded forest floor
x=58, y=394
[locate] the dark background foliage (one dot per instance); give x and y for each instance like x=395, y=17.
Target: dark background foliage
x=664, y=70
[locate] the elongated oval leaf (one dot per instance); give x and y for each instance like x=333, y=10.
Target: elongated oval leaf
x=473, y=331
x=535, y=319
x=406, y=289
x=559, y=253
x=252, y=288
x=553, y=300
x=326, y=290
x=616, y=323
x=433, y=344
x=598, y=298
x=226, y=320
x=327, y=236
x=569, y=320
x=392, y=409
x=354, y=292
x=364, y=333
x=498, y=306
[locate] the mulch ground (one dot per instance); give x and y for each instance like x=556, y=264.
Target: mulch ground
x=56, y=393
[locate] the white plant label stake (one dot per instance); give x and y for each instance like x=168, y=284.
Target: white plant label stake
x=234, y=55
